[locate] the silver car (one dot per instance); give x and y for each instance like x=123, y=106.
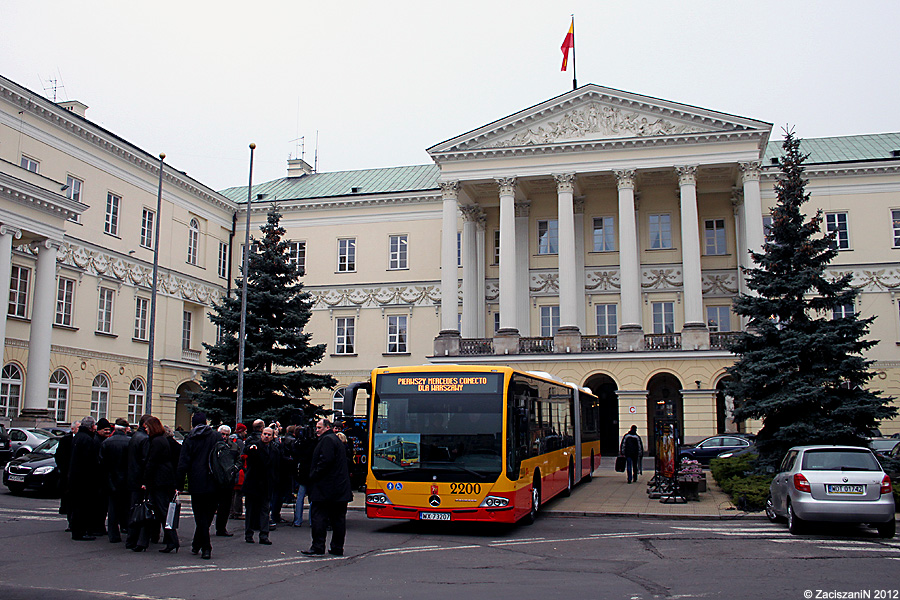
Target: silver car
x=23, y=440
x=832, y=483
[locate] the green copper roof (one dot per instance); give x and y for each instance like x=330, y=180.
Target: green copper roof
x=344, y=183
x=851, y=148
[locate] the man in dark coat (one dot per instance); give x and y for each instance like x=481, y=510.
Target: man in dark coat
x=225, y=493
x=259, y=483
x=136, y=458
x=329, y=491
x=114, y=466
x=632, y=448
x=194, y=462
x=84, y=479
x=63, y=458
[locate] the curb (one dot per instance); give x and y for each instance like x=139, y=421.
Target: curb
x=651, y=515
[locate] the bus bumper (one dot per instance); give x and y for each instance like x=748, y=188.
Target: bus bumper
x=506, y=514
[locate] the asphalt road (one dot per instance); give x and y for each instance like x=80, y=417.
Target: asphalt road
x=557, y=557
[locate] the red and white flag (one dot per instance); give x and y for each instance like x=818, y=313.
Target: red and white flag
x=568, y=44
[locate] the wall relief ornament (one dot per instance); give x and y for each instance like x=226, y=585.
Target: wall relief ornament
x=597, y=121
x=420, y=295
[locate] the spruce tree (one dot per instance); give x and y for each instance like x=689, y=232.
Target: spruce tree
x=276, y=348
x=801, y=367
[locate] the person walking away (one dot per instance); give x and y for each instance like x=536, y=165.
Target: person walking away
x=194, y=463
x=329, y=491
x=135, y=459
x=632, y=448
x=159, y=483
x=114, y=465
x=63, y=459
x=237, y=505
x=225, y=489
x=304, y=446
x=84, y=480
x=98, y=519
x=284, y=482
x=258, y=483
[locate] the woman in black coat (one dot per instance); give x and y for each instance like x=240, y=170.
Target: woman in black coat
x=159, y=482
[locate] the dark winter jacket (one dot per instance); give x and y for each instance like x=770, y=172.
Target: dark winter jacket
x=84, y=470
x=138, y=446
x=262, y=466
x=159, y=472
x=303, y=453
x=329, y=477
x=114, y=463
x=632, y=446
x=194, y=460
x=63, y=458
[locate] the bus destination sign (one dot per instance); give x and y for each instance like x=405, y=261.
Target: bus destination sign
x=464, y=383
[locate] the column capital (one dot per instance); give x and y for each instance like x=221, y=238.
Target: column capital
x=450, y=189
x=687, y=174
x=750, y=170
x=507, y=185
x=523, y=208
x=10, y=230
x=47, y=244
x=625, y=178
x=471, y=212
x=565, y=182
x=578, y=205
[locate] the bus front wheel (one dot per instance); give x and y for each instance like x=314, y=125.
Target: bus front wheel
x=535, y=500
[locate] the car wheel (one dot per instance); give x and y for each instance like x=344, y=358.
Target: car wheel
x=887, y=530
x=770, y=510
x=795, y=523
x=535, y=500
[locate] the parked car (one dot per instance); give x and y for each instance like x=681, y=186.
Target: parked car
x=832, y=483
x=883, y=447
x=705, y=450
x=55, y=430
x=22, y=440
x=34, y=470
x=5, y=452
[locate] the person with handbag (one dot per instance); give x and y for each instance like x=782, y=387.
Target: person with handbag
x=159, y=483
x=632, y=448
x=194, y=462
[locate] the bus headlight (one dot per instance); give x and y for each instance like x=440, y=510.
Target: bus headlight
x=379, y=498
x=493, y=502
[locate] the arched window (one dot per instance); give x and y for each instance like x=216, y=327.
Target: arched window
x=135, y=401
x=193, y=241
x=100, y=397
x=337, y=403
x=10, y=390
x=58, y=400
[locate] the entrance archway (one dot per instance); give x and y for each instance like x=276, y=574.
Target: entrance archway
x=183, y=404
x=724, y=408
x=664, y=401
x=605, y=388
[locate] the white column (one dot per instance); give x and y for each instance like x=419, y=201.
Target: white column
x=449, y=275
x=470, y=302
x=743, y=258
x=629, y=264
x=690, y=246
x=507, y=254
x=523, y=273
x=753, y=227
x=7, y=234
x=482, y=305
x=579, y=264
x=565, y=191
x=43, y=305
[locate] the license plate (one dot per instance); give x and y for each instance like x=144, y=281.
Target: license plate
x=836, y=488
x=434, y=516
x=16, y=478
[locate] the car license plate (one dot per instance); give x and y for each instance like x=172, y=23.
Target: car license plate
x=836, y=488
x=434, y=516
x=16, y=478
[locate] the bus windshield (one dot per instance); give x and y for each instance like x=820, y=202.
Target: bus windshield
x=438, y=424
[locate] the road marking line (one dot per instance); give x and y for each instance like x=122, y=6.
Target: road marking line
x=396, y=552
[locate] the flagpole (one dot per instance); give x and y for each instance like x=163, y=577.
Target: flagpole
x=574, y=80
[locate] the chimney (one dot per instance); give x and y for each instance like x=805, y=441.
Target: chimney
x=297, y=167
x=74, y=106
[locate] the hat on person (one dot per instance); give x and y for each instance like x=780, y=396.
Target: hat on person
x=199, y=418
x=104, y=423
x=239, y=428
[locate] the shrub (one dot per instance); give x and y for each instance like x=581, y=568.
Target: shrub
x=736, y=477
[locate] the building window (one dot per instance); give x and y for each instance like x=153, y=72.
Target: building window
x=10, y=391
x=297, y=255
x=718, y=318
x=113, y=203
x=715, y=236
x=895, y=224
x=549, y=320
x=65, y=292
x=604, y=234
x=398, y=251
x=663, y=317
x=73, y=188
x=135, y=401
x=344, y=335
x=346, y=255
x=193, y=241
x=18, y=291
x=147, y=221
x=141, y=310
x=458, y=248
x=607, y=322
x=100, y=397
x=58, y=399
x=223, y=260
x=548, y=237
x=105, y=310
x=837, y=223
x=496, y=247
x=397, y=334
x=843, y=311
x=660, y=232
x=29, y=164
x=496, y=321
x=186, y=318
x=337, y=403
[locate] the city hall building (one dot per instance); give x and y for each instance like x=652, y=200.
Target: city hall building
x=598, y=236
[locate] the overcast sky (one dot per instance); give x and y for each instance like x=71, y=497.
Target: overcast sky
x=382, y=81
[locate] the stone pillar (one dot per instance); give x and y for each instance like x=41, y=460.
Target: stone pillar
x=480, y=277
x=579, y=265
x=753, y=227
x=470, y=302
x=7, y=234
x=507, y=339
x=447, y=342
x=694, y=335
x=565, y=190
x=699, y=414
x=743, y=258
x=523, y=274
x=631, y=332
x=37, y=388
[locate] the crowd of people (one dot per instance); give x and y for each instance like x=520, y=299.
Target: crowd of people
x=111, y=472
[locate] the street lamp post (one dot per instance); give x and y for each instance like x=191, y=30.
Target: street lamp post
x=148, y=404
x=239, y=400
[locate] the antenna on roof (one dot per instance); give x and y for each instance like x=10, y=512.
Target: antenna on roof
x=300, y=145
x=316, y=157
x=51, y=85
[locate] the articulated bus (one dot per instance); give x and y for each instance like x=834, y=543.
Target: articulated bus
x=490, y=443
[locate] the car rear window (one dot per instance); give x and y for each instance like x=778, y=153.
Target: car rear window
x=839, y=460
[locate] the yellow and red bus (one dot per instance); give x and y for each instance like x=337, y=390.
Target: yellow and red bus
x=491, y=443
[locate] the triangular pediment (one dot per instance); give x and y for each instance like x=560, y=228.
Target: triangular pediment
x=595, y=114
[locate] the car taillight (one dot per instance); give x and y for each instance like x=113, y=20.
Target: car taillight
x=886, y=485
x=801, y=484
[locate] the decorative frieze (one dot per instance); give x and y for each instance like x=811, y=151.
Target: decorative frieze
x=375, y=296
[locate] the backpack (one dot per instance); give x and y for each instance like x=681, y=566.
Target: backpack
x=223, y=464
